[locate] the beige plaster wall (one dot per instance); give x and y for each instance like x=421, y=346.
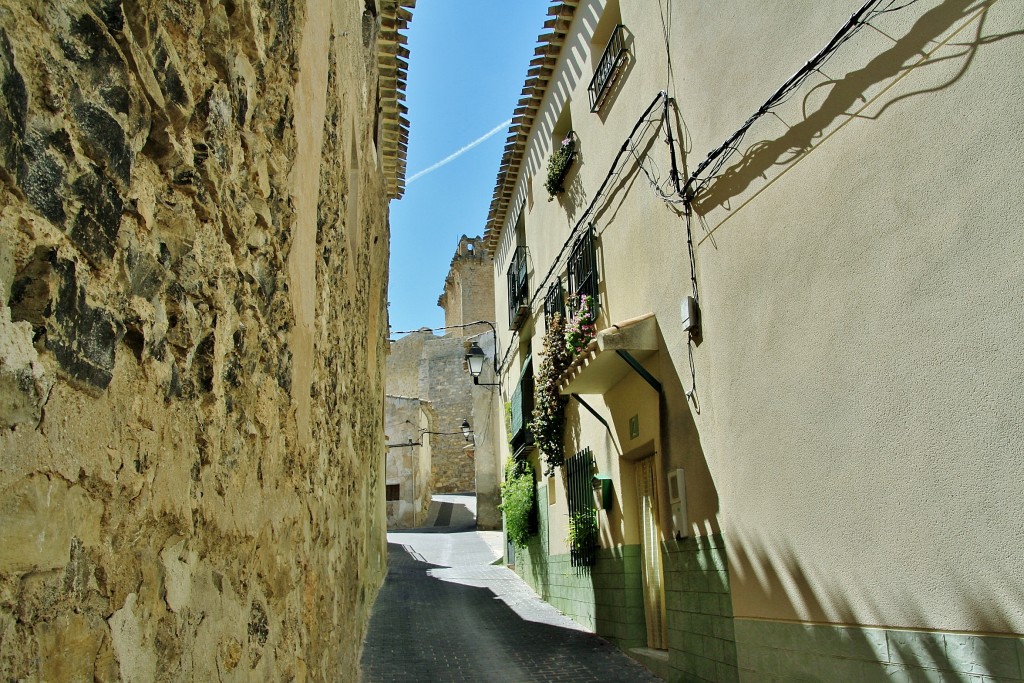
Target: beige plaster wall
x=854, y=431
x=191, y=339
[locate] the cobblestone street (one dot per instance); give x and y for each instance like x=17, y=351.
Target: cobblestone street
x=445, y=613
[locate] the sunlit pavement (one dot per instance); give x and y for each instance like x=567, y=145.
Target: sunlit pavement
x=445, y=613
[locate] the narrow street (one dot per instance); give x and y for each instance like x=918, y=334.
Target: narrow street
x=447, y=613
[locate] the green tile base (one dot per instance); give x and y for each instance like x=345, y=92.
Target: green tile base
x=784, y=651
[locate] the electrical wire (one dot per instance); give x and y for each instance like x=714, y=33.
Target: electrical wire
x=671, y=189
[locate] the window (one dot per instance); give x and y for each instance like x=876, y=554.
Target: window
x=582, y=271
x=392, y=492
x=518, y=289
x=610, y=38
x=579, y=474
x=554, y=300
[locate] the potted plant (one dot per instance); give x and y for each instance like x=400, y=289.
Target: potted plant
x=559, y=163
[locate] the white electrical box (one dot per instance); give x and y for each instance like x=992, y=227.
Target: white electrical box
x=677, y=503
x=689, y=313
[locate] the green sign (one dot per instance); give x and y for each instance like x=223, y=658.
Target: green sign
x=634, y=426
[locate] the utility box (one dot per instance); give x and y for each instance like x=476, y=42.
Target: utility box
x=689, y=312
x=603, y=491
x=677, y=503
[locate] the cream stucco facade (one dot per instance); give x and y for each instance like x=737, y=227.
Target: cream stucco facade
x=847, y=416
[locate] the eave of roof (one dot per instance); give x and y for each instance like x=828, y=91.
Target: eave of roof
x=546, y=54
x=392, y=66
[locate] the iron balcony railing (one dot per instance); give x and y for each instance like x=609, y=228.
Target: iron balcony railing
x=518, y=289
x=608, y=68
x=554, y=301
x=582, y=271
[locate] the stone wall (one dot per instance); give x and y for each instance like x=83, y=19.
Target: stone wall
x=432, y=368
x=468, y=289
x=408, y=460
x=191, y=336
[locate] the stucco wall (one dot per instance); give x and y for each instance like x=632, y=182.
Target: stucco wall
x=854, y=432
x=191, y=339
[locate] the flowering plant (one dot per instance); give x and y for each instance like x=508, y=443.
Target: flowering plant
x=559, y=163
x=548, y=421
x=581, y=327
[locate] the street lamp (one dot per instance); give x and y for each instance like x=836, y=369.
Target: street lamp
x=466, y=429
x=475, y=358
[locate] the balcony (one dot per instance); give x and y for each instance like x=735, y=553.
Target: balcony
x=554, y=301
x=582, y=271
x=518, y=289
x=608, y=68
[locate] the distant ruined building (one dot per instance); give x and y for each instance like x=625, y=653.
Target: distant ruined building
x=193, y=255
x=465, y=298
x=431, y=368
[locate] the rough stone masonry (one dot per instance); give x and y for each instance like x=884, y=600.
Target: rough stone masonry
x=193, y=245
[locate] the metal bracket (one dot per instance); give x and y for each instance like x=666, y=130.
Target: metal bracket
x=640, y=370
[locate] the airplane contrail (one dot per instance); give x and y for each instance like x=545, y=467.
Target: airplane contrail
x=497, y=129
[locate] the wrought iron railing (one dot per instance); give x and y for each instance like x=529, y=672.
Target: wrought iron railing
x=579, y=475
x=554, y=301
x=608, y=68
x=518, y=288
x=582, y=271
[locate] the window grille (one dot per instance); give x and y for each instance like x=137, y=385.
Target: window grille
x=608, y=68
x=518, y=289
x=554, y=300
x=582, y=271
x=579, y=471
x=393, y=491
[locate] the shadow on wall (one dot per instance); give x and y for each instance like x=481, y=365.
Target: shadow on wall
x=845, y=97
x=833, y=650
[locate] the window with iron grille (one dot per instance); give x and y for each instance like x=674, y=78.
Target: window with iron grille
x=582, y=271
x=518, y=289
x=579, y=474
x=554, y=300
x=392, y=491
x=612, y=60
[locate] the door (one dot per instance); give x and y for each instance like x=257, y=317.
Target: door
x=650, y=545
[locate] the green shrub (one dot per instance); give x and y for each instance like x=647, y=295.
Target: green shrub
x=518, y=501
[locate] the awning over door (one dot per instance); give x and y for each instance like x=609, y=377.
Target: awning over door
x=606, y=359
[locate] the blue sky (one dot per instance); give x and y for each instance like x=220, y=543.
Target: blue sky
x=468, y=60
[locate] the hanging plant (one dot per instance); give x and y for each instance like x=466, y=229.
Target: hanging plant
x=548, y=423
x=559, y=163
x=583, y=532
x=518, y=500
x=581, y=327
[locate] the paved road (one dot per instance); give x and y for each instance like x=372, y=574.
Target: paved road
x=446, y=613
